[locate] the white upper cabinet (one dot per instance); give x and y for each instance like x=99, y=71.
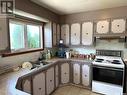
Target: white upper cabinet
x=118, y=25
x=65, y=33
x=87, y=33
x=58, y=33
x=102, y=27
x=75, y=34
x=54, y=26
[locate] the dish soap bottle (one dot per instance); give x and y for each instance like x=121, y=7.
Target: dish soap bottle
x=49, y=54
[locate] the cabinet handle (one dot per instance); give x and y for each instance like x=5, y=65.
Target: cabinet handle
x=65, y=73
x=50, y=80
x=76, y=74
x=75, y=34
x=86, y=33
x=85, y=75
x=102, y=26
x=118, y=25
x=39, y=88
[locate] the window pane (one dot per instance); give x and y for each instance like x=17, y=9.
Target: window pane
x=16, y=36
x=33, y=36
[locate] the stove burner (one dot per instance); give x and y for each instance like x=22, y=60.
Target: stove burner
x=98, y=59
x=115, y=62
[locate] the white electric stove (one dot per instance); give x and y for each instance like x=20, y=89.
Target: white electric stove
x=108, y=73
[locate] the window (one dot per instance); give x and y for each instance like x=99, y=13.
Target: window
x=25, y=36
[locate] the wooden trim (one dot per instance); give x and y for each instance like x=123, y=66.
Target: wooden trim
x=18, y=53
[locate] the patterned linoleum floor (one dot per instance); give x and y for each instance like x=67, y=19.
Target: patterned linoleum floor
x=72, y=90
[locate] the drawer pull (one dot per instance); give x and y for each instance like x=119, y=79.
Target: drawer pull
x=50, y=80
x=39, y=88
x=85, y=75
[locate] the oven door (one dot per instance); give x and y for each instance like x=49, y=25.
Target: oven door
x=108, y=75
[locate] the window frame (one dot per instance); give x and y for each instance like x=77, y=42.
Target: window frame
x=8, y=51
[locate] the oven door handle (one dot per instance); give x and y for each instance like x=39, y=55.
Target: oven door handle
x=101, y=67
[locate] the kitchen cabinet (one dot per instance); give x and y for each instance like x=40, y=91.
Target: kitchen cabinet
x=50, y=80
x=85, y=75
x=118, y=26
x=54, y=32
x=76, y=73
x=58, y=33
x=75, y=34
x=56, y=76
x=65, y=73
x=27, y=85
x=65, y=33
x=39, y=84
x=102, y=27
x=87, y=33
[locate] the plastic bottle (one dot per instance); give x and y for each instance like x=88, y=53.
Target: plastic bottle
x=49, y=54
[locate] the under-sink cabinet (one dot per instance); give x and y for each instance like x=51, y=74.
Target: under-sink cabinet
x=38, y=82
x=45, y=81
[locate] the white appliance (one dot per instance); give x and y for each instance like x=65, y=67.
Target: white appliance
x=108, y=73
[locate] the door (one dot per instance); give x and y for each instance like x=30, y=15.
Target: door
x=56, y=76
x=87, y=33
x=65, y=73
x=50, y=80
x=118, y=26
x=102, y=27
x=85, y=75
x=75, y=34
x=76, y=73
x=65, y=34
x=54, y=34
x=39, y=84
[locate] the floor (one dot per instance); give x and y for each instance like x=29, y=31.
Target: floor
x=72, y=90
x=8, y=82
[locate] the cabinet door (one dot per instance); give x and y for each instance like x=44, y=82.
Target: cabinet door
x=48, y=35
x=118, y=26
x=85, y=75
x=50, y=80
x=65, y=73
x=75, y=34
x=39, y=84
x=87, y=33
x=27, y=85
x=76, y=73
x=58, y=33
x=65, y=33
x=102, y=27
x=54, y=34
x=56, y=76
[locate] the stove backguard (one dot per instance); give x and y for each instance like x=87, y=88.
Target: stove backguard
x=115, y=53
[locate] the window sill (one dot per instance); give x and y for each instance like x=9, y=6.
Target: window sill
x=7, y=54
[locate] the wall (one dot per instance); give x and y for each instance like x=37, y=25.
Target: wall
x=96, y=15
x=93, y=15
x=29, y=7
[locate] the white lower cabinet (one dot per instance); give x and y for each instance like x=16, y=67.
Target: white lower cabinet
x=56, y=76
x=50, y=80
x=65, y=73
x=85, y=75
x=76, y=73
x=39, y=84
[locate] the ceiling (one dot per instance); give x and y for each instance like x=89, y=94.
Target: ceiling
x=63, y=7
